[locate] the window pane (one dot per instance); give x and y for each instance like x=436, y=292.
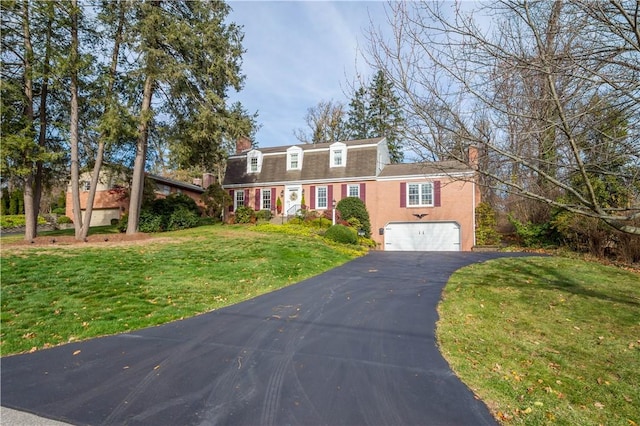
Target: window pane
x=427, y=194
x=322, y=197
x=239, y=198
x=413, y=191
x=354, y=191
x=266, y=199
x=337, y=158
x=254, y=164
x=294, y=161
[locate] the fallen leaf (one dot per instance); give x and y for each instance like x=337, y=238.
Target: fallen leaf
x=598, y=405
x=77, y=352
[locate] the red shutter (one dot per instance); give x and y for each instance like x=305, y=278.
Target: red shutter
x=273, y=198
x=233, y=199
x=344, y=190
x=436, y=193
x=403, y=194
x=329, y=196
x=258, y=204
x=246, y=197
x=363, y=192
x=312, y=197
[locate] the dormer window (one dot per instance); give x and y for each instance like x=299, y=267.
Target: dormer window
x=294, y=158
x=338, y=155
x=254, y=161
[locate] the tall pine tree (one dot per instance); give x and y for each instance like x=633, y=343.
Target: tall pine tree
x=374, y=111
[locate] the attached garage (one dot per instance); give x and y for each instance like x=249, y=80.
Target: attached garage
x=422, y=236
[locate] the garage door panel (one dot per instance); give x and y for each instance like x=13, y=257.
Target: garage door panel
x=422, y=236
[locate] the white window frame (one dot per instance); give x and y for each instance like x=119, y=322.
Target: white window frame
x=424, y=190
x=86, y=185
x=353, y=190
x=318, y=197
x=254, y=155
x=263, y=200
x=238, y=199
x=335, y=148
x=294, y=152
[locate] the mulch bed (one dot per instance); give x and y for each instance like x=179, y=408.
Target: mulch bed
x=94, y=240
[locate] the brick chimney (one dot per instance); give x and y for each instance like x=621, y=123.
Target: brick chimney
x=243, y=144
x=473, y=156
x=208, y=179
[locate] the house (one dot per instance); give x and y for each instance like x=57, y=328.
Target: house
x=415, y=206
x=112, y=201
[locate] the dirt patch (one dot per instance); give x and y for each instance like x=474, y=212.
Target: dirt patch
x=104, y=240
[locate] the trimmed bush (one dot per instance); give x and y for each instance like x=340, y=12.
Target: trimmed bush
x=263, y=215
x=342, y=234
x=64, y=219
x=245, y=214
x=353, y=207
x=182, y=218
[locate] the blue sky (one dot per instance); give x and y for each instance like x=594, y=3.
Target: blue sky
x=298, y=54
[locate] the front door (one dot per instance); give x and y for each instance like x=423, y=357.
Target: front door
x=292, y=199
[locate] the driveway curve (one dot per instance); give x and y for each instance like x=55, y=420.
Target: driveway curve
x=353, y=346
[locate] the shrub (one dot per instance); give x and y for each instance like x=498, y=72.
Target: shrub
x=149, y=222
x=342, y=234
x=182, y=218
x=486, y=223
x=533, y=234
x=122, y=224
x=59, y=211
x=17, y=220
x=264, y=215
x=245, y=214
x=64, y=219
x=353, y=207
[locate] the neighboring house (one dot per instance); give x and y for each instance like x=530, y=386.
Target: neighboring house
x=112, y=201
x=416, y=206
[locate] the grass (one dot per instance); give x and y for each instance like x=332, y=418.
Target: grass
x=546, y=340
x=54, y=295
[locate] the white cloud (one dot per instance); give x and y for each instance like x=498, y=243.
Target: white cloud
x=298, y=53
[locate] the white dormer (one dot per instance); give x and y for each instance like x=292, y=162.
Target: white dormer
x=338, y=155
x=294, y=158
x=254, y=161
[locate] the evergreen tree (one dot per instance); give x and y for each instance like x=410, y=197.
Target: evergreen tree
x=357, y=115
x=374, y=111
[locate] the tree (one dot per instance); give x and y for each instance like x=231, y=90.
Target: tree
x=325, y=122
x=195, y=58
x=29, y=41
x=531, y=71
x=374, y=111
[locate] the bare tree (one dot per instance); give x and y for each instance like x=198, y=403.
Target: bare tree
x=326, y=123
x=540, y=77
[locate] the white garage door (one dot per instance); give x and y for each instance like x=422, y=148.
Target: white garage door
x=422, y=236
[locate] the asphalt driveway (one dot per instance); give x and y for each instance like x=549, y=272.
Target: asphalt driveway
x=354, y=346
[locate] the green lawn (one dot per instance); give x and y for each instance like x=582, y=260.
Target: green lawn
x=53, y=295
x=546, y=340
x=542, y=340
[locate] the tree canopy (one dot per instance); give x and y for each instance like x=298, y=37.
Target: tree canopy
x=547, y=91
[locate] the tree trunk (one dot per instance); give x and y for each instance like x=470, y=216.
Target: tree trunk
x=102, y=142
x=73, y=128
x=31, y=222
x=137, y=183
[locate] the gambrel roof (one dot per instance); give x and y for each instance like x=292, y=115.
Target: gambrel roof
x=364, y=160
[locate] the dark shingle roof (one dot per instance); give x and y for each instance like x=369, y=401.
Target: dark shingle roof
x=418, y=169
x=362, y=157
